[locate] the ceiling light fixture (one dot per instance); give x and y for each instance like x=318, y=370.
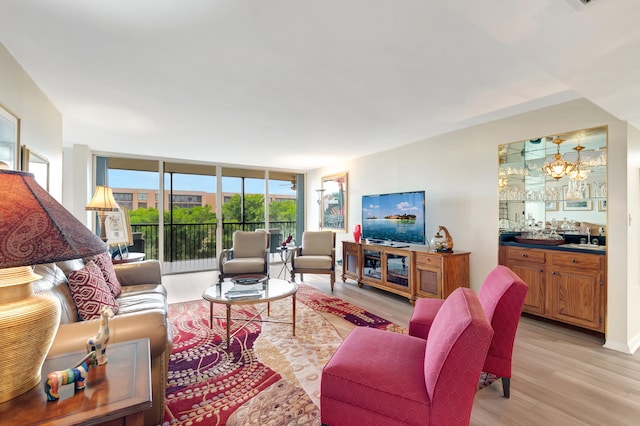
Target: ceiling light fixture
x=559, y=166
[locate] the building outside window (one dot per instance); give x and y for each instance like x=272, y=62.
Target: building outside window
x=124, y=199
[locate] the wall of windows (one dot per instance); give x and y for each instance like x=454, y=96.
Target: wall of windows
x=189, y=230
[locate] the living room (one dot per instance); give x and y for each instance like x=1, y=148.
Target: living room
x=457, y=169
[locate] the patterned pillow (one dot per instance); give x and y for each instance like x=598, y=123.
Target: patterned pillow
x=106, y=266
x=90, y=292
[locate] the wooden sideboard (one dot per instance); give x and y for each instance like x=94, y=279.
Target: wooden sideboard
x=410, y=272
x=565, y=286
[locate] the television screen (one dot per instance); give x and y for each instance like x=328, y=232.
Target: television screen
x=394, y=217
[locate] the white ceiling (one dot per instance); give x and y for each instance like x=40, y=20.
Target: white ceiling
x=300, y=84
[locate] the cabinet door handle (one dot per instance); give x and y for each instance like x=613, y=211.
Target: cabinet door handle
x=541, y=270
x=574, y=261
x=554, y=273
x=524, y=254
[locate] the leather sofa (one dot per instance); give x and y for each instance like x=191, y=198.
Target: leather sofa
x=142, y=312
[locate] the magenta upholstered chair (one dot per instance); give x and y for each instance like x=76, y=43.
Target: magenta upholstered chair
x=379, y=377
x=502, y=297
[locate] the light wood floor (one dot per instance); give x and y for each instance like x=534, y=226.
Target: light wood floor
x=560, y=376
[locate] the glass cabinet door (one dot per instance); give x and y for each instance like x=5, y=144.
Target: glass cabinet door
x=397, y=269
x=372, y=267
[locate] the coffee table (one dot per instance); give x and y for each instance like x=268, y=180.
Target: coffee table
x=267, y=290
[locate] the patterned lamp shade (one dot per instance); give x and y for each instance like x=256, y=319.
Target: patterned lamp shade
x=34, y=228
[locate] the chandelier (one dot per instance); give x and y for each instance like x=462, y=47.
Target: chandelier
x=559, y=166
x=579, y=172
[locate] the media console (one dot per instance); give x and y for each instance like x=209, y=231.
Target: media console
x=410, y=272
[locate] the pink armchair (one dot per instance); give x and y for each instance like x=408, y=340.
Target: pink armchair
x=502, y=297
x=378, y=377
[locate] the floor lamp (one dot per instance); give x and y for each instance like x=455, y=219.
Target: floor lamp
x=34, y=229
x=320, y=207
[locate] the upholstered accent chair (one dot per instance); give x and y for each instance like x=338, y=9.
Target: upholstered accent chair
x=502, y=297
x=317, y=255
x=249, y=255
x=379, y=377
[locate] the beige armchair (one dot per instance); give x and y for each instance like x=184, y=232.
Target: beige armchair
x=249, y=255
x=317, y=255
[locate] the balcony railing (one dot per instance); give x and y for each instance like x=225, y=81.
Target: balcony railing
x=198, y=240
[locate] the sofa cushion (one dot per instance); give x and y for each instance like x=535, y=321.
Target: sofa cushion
x=141, y=302
x=90, y=291
x=105, y=264
x=246, y=265
x=313, y=262
x=317, y=243
x=249, y=244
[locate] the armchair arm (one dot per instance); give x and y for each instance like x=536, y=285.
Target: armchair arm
x=225, y=255
x=152, y=324
x=145, y=272
x=296, y=252
x=424, y=313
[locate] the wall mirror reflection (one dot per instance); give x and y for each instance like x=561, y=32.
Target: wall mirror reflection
x=35, y=163
x=555, y=183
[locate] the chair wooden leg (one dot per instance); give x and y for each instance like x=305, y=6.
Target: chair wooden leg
x=506, y=385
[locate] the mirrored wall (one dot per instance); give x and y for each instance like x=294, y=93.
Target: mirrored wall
x=559, y=179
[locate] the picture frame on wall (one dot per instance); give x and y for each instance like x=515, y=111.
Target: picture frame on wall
x=333, y=205
x=35, y=163
x=577, y=205
x=551, y=206
x=602, y=205
x=9, y=139
x=118, y=228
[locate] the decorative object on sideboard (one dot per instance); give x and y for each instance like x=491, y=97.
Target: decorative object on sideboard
x=34, y=229
x=357, y=232
x=76, y=375
x=442, y=243
x=99, y=342
x=102, y=202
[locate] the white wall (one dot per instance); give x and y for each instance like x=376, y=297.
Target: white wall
x=40, y=121
x=459, y=172
x=633, y=243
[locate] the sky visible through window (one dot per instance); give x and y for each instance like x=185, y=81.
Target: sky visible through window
x=149, y=180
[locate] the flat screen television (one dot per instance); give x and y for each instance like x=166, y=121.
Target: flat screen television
x=396, y=217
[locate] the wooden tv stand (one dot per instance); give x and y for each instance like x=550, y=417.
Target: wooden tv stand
x=411, y=272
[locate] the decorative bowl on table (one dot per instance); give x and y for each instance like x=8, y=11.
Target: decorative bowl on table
x=543, y=240
x=249, y=279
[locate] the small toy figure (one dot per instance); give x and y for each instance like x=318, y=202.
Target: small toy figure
x=76, y=375
x=99, y=342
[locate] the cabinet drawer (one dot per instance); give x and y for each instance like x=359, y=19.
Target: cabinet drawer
x=425, y=259
x=581, y=260
x=527, y=255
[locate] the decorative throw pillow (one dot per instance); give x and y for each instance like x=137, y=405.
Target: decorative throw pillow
x=90, y=292
x=106, y=266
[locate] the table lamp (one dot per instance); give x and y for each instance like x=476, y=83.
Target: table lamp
x=34, y=229
x=103, y=202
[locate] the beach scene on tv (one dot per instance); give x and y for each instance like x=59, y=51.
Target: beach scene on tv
x=394, y=217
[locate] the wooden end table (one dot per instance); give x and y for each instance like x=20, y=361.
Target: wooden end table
x=116, y=393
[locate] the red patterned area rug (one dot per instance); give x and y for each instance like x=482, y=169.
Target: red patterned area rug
x=269, y=377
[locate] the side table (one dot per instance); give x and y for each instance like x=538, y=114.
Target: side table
x=285, y=254
x=131, y=257
x=116, y=393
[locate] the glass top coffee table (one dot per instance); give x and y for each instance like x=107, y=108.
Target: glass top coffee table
x=250, y=290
